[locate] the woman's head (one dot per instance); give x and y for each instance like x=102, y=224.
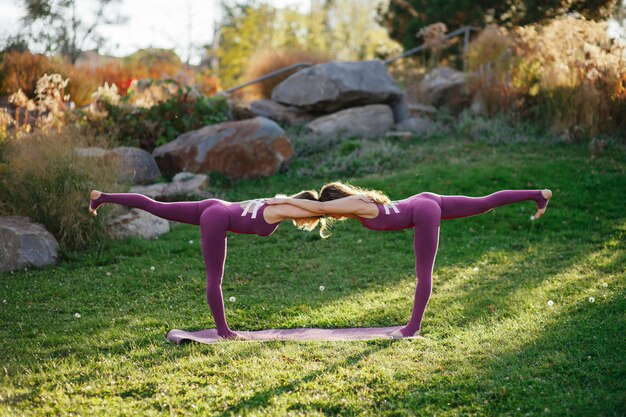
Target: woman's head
x=308, y=223
x=337, y=190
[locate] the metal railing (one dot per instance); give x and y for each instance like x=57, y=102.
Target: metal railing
x=267, y=76
x=464, y=30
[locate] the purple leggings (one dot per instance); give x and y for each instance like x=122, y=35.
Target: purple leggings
x=428, y=210
x=215, y=218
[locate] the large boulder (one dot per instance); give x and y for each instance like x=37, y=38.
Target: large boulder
x=24, y=243
x=367, y=122
x=240, y=149
x=183, y=183
x=445, y=87
x=327, y=88
x=132, y=165
x=136, y=223
x=279, y=113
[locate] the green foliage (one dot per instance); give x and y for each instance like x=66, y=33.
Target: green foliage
x=157, y=125
x=493, y=346
x=403, y=19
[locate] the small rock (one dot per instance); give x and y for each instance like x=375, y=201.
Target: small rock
x=137, y=223
x=183, y=183
x=24, y=243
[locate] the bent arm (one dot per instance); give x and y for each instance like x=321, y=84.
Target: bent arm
x=346, y=205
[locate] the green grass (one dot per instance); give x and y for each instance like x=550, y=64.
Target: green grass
x=492, y=344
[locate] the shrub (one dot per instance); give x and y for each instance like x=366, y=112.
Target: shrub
x=21, y=70
x=150, y=127
x=567, y=75
x=43, y=178
x=269, y=60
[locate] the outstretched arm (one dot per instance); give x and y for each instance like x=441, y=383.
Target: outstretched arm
x=348, y=205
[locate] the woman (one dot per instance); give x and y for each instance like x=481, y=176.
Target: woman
x=422, y=211
x=215, y=218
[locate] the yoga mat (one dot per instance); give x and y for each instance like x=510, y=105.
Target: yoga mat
x=210, y=335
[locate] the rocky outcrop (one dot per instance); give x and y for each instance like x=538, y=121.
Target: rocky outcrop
x=24, y=243
x=279, y=113
x=445, y=87
x=327, y=88
x=368, y=122
x=183, y=183
x=240, y=149
x=133, y=165
x=136, y=223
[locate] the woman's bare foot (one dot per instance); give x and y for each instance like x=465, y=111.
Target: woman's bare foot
x=399, y=334
x=232, y=336
x=541, y=207
x=92, y=197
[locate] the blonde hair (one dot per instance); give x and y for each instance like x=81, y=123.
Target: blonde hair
x=307, y=223
x=337, y=190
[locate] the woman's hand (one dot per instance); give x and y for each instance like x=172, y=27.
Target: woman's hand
x=276, y=200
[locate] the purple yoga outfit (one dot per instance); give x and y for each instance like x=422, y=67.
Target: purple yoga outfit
x=424, y=212
x=215, y=218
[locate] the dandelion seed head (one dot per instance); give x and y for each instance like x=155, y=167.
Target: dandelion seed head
x=591, y=299
x=152, y=268
x=604, y=284
x=322, y=288
x=475, y=268
x=191, y=242
x=550, y=303
x=232, y=299
x=77, y=315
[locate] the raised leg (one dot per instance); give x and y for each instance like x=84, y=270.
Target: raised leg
x=426, y=218
x=183, y=212
x=214, y=223
x=454, y=207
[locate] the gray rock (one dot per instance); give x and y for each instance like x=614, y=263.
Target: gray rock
x=24, y=243
x=240, y=149
x=137, y=223
x=183, y=183
x=445, y=87
x=419, y=125
x=136, y=165
x=133, y=165
x=326, y=88
x=367, y=122
x=279, y=113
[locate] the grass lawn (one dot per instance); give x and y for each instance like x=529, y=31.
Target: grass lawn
x=493, y=345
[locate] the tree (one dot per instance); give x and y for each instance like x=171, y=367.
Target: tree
x=57, y=26
x=404, y=18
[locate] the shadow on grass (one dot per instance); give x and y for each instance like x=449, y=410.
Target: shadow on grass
x=262, y=398
x=573, y=368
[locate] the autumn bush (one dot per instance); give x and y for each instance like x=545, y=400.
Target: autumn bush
x=42, y=177
x=269, y=60
x=567, y=75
